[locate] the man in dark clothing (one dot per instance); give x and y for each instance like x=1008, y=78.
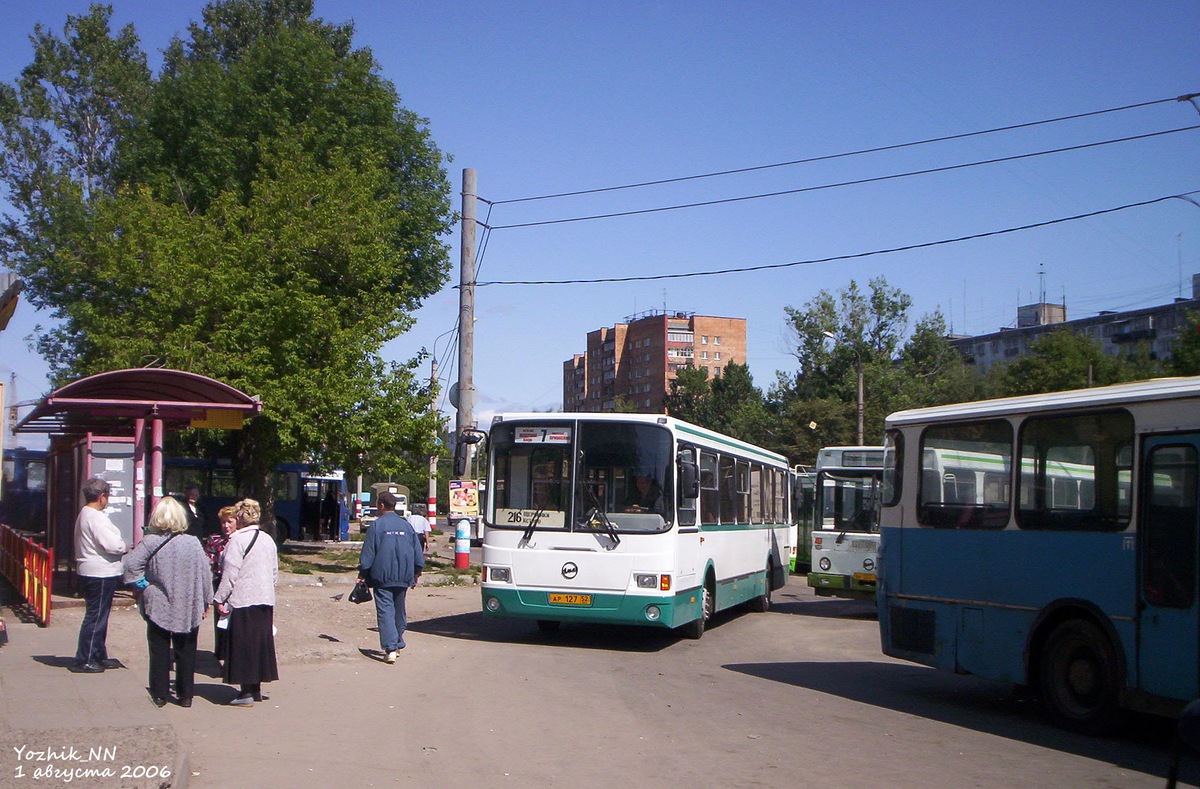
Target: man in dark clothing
x=391, y=560
x=644, y=496
x=195, y=519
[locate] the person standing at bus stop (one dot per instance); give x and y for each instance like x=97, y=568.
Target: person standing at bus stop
x=98, y=551
x=420, y=525
x=391, y=561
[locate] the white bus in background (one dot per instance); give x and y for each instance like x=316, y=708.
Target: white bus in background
x=804, y=490
x=845, y=533
x=629, y=519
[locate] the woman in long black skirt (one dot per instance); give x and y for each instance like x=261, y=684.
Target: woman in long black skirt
x=249, y=569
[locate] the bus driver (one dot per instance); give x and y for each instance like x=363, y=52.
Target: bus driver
x=644, y=496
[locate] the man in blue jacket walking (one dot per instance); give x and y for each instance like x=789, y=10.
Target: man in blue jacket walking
x=391, y=562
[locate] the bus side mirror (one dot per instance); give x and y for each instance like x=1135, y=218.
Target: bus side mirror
x=689, y=476
x=462, y=449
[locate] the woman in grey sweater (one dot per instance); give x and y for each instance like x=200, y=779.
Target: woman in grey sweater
x=173, y=572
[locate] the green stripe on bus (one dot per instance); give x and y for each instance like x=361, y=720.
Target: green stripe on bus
x=605, y=608
x=749, y=449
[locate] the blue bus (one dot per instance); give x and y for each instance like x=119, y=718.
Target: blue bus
x=308, y=505
x=23, y=494
x=1050, y=541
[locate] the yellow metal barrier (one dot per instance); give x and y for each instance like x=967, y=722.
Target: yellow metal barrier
x=30, y=569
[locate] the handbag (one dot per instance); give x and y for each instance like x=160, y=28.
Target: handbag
x=361, y=593
x=141, y=583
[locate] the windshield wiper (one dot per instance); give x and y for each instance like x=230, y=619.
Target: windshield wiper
x=527, y=535
x=597, y=511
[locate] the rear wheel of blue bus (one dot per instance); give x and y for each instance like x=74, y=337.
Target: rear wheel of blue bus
x=1079, y=678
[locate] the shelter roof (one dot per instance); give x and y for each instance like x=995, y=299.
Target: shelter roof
x=110, y=401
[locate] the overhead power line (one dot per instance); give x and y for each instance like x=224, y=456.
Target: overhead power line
x=855, y=182
x=835, y=258
x=828, y=157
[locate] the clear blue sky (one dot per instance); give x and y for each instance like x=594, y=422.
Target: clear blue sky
x=546, y=97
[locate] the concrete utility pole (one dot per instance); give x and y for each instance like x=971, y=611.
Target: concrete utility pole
x=466, y=348
x=466, y=306
x=431, y=502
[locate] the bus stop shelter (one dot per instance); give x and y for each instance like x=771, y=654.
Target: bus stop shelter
x=111, y=425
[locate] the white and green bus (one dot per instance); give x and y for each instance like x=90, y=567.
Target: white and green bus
x=804, y=494
x=845, y=533
x=629, y=519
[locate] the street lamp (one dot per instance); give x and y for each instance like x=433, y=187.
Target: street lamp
x=858, y=436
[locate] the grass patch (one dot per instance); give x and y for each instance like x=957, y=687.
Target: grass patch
x=454, y=576
x=327, y=561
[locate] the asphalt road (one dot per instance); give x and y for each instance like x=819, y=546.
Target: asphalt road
x=799, y=696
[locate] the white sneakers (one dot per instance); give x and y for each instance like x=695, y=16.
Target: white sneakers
x=391, y=657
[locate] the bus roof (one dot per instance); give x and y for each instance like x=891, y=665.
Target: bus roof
x=1140, y=391
x=678, y=425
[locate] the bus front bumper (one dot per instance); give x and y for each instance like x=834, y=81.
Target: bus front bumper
x=837, y=585
x=600, y=607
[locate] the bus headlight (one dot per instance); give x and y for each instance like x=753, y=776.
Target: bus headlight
x=824, y=563
x=645, y=581
x=500, y=574
x=652, y=613
x=492, y=604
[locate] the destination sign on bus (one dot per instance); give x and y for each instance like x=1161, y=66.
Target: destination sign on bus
x=869, y=458
x=542, y=435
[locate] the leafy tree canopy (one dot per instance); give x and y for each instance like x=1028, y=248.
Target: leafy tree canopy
x=264, y=211
x=1064, y=359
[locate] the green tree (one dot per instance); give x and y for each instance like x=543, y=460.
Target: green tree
x=729, y=403
x=735, y=406
x=929, y=371
x=1185, y=358
x=264, y=212
x=688, y=396
x=835, y=339
x=1064, y=359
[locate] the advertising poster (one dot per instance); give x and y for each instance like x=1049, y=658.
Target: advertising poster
x=464, y=498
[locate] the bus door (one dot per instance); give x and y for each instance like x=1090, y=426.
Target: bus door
x=687, y=543
x=1168, y=644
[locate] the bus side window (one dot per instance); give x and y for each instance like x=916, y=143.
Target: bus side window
x=1170, y=527
x=709, y=494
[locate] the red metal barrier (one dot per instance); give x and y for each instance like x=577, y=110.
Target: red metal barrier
x=30, y=569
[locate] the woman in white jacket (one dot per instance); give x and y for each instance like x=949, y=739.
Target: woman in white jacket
x=249, y=569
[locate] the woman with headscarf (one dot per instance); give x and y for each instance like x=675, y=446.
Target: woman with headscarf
x=246, y=595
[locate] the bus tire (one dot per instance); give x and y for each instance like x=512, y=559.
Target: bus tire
x=548, y=625
x=695, y=629
x=1079, y=678
x=282, y=531
x=762, y=603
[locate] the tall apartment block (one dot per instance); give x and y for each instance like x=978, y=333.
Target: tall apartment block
x=635, y=361
x=1119, y=333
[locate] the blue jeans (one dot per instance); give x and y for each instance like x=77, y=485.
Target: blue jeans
x=389, y=613
x=93, y=631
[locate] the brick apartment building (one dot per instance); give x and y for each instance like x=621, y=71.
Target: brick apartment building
x=635, y=361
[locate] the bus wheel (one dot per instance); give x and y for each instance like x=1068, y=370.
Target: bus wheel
x=695, y=628
x=1079, y=678
x=762, y=603
x=548, y=625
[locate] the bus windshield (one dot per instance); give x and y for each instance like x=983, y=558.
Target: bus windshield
x=849, y=499
x=594, y=476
